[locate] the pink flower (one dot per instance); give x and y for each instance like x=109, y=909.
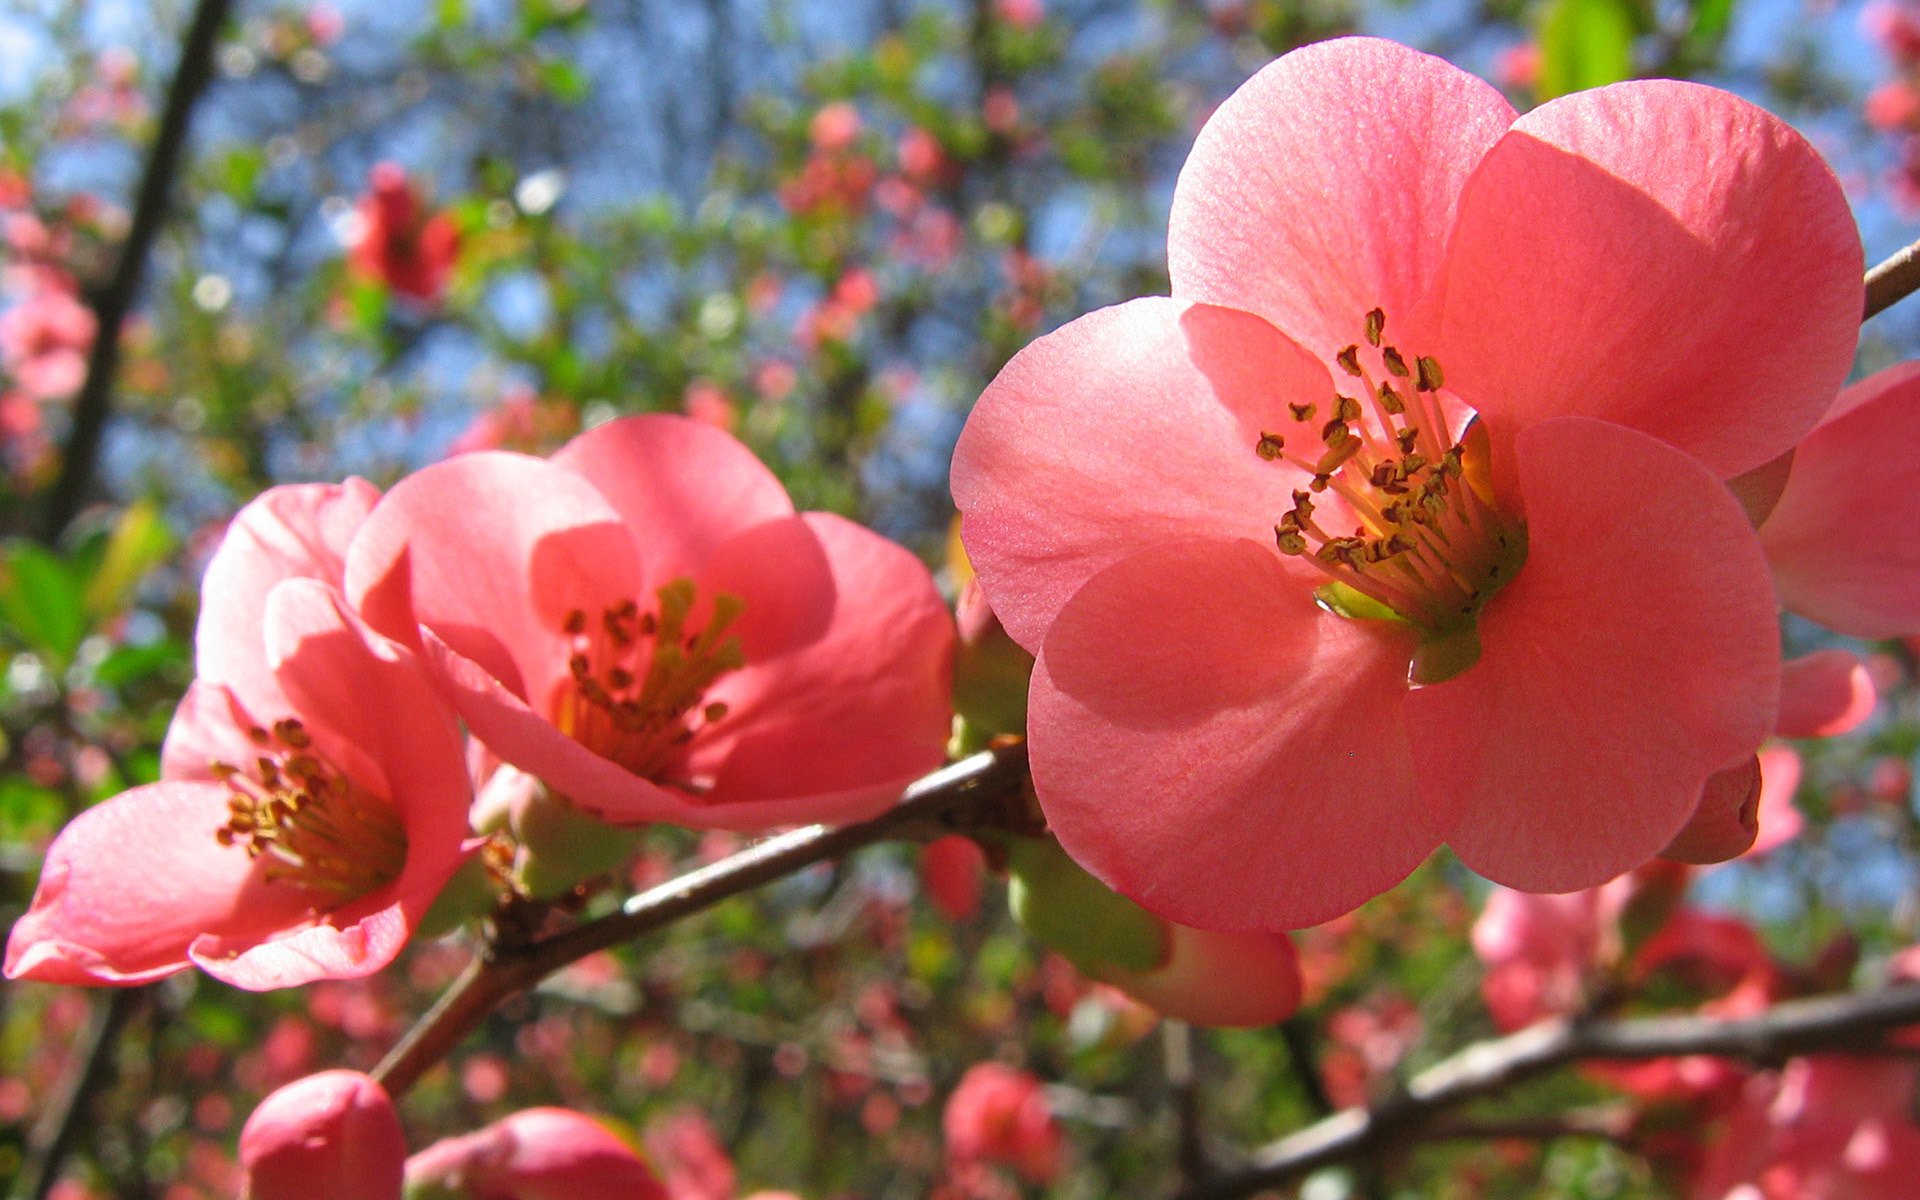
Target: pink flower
x=1162, y=498
x=400, y=243
x=535, y=1154
x=951, y=870
x=696, y=1164
x=44, y=339
x=644, y=623
x=999, y=1114
x=331, y=1136
x=1540, y=950
x=835, y=127
x=314, y=799
x=1831, y=1127
x=1844, y=548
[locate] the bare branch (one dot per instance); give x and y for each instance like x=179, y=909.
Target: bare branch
x=1893, y=280
x=961, y=796
x=1851, y=1022
x=112, y=302
x=53, y=1137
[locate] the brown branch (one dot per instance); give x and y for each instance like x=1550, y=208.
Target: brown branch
x=1827, y=1023
x=111, y=302
x=1178, y=1048
x=53, y=1137
x=1893, y=280
x=957, y=797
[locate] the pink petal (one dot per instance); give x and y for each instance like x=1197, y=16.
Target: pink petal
x=1219, y=980
x=834, y=729
x=1824, y=693
x=1780, y=820
x=1129, y=427
x=296, y=531
x=130, y=883
x=1634, y=655
x=1844, y=539
x=1727, y=820
x=953, y=871
x=1325, y=186
x=491, y=550
x=210, y=726
x=1209, y=742
x=681, y=485
x=1661, y=255
x=783, y=577
x=331, y=1136
x=349, y=950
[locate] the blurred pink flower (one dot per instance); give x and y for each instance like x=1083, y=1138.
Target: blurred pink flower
x=998, y=1114
x=1831, y=1127
x=689, y=1152
x=400, y=244
x=835, y=127
x=1229, y=734
x=331, y=1136
x=44, y=339
x=314, y=795
x=644, y=623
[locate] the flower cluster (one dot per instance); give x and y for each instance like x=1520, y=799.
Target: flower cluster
x=641, y=628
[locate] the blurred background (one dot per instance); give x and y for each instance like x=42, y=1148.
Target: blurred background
x=406, y=228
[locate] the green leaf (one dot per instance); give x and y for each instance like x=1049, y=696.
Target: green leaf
x=566, y=82
x=1710, y=20
x=41, y=600
x=139, y=542
x=127, y=665
x=1584, y=44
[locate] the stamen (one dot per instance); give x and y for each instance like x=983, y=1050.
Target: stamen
x=319, y=829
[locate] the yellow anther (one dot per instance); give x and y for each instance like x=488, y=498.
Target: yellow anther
x=1376, y=325
x=1270, y=446
x=1349, y=360
x=1431, y=377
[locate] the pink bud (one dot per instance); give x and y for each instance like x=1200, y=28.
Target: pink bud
x=536, y=1154
x=331, y=1136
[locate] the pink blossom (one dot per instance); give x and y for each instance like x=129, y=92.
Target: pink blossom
x=952, y=869
x=331, y=1136
x=44, y=339
x=1825, y=693
x=645, y=624
x=1223, y=722
x=1021, y=14
x=999, y=1114
x=1539, y=951
x=1892, y=106
x=835, y=127
x=1831, y=1127
x=314, y=794
x=689, y=1152
x=535, y=1154
x=400, y=243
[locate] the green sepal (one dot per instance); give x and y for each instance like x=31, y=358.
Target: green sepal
x=1344, y=601
x=562, y=846
x=468, y=896
x=1067, y=909
x=1440, y=657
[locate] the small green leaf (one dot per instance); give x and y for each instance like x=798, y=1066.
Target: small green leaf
x=40, y=599
x=1710, y=19
x=1584, y=44
x=139, y=542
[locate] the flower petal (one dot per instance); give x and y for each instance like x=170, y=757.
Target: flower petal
x=1844, y=539
x=1219, y=980
x=130, y=883
x=1129, y=427
x=1824, y=693
x=349, y=950
x=1326, y=185
x=836, y=728
x=1634, y=655
x=491, y=550
x=1727, y=820
x=1780, y=819
x=681, y=485
x=1661, y=255
x=297, y=531
x=1209, y=742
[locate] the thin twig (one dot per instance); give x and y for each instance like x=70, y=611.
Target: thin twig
x=53, y=1137
x=954, y=798
x=112, y=301
x=1178, y=1051
x=1893, y=280
x=1827, y=1023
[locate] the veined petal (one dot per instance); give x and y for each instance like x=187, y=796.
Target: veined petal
x=1326, y=186
x=1661, y=255
x=491, y=550
x=1635, y=654
x=297, y=531
x=1129, y=427
x=1844, y=539
x=1211, y=743
x=681, y=485
x=129, y=884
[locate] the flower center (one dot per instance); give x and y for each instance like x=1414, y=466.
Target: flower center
x=319, y=828
x=1428, y=545
x=638, y=677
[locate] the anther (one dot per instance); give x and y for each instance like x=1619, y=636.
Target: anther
x=1301, y=412
x=1376, y=325
x=1270, y=446
x=1431, y=378
x=1349, y=360
x=1395, y=363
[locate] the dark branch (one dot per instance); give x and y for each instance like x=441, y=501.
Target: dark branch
x=112, y=301
x=957, y=797
x=1893, y=280
x=53, y=1137
x=1828, y=1023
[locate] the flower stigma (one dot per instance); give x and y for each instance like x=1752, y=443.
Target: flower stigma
x=637, y=679
x=1428, y=544
x=317, y=827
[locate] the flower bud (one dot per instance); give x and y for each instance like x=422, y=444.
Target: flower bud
x=331, y=1136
